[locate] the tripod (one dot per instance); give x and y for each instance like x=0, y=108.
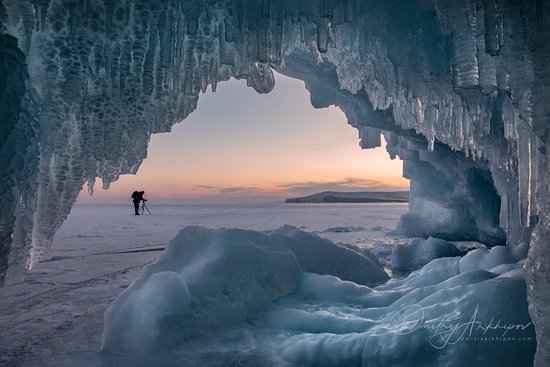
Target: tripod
x=143, y=208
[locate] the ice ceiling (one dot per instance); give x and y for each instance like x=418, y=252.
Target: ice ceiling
x=460, y=90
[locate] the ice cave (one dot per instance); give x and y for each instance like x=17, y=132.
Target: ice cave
x=458, y=89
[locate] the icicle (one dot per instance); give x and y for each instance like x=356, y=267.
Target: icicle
x=464, y=63
x=524, y=174
x=487, y=65
x=90, y=185
x=322, y=34
x=109, y=12
x=189, y=65
x=42, y=11
x=166, y=35
x=369, y=137
x=493, y=27
x=349, y=12
x=303, y=29
x=260, y=78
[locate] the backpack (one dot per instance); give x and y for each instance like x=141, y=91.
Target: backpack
x=134, y=194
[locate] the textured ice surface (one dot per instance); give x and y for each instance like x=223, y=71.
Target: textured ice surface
x=460, y=90
x=437, y=316
x=205, y=279
x=208, y=279
x=418, y=252
x=216, y=284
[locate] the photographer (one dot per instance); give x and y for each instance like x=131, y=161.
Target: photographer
x=137, y=197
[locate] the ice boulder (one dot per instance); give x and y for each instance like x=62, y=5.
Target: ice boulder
x=418, y=252
x=209, y=279
x=319, y=255
x=205, y=279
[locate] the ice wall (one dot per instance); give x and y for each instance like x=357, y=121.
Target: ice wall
x=458, y=87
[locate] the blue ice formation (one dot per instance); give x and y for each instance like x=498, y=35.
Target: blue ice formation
x=458, y=89
x=270, y=294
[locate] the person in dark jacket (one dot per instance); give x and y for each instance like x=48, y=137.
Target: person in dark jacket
x=137, y=197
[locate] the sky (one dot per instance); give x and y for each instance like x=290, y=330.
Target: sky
x=240, y=146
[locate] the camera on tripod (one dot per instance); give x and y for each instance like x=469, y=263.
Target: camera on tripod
x=144, y=207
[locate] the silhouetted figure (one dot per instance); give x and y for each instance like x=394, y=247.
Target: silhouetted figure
x=137, y=197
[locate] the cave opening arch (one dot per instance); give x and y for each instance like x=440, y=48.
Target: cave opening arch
x=241, y=146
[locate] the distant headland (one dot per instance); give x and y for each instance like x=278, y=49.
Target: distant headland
x=353, y=197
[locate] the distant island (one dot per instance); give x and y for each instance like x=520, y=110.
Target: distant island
x=353, y=197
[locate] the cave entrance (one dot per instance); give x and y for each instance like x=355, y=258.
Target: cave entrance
x=233, y=163
x=102, y=248
x=86, y=274
x=240, y=146
x=86, y=277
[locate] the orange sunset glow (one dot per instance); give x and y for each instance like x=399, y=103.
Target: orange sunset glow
x=241, y=146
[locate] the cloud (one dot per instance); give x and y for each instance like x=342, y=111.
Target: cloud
x=207, y=187
x=345, y=184
x=237, y=190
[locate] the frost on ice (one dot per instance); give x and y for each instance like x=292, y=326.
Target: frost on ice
x=217, y=283
x=459, y=90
